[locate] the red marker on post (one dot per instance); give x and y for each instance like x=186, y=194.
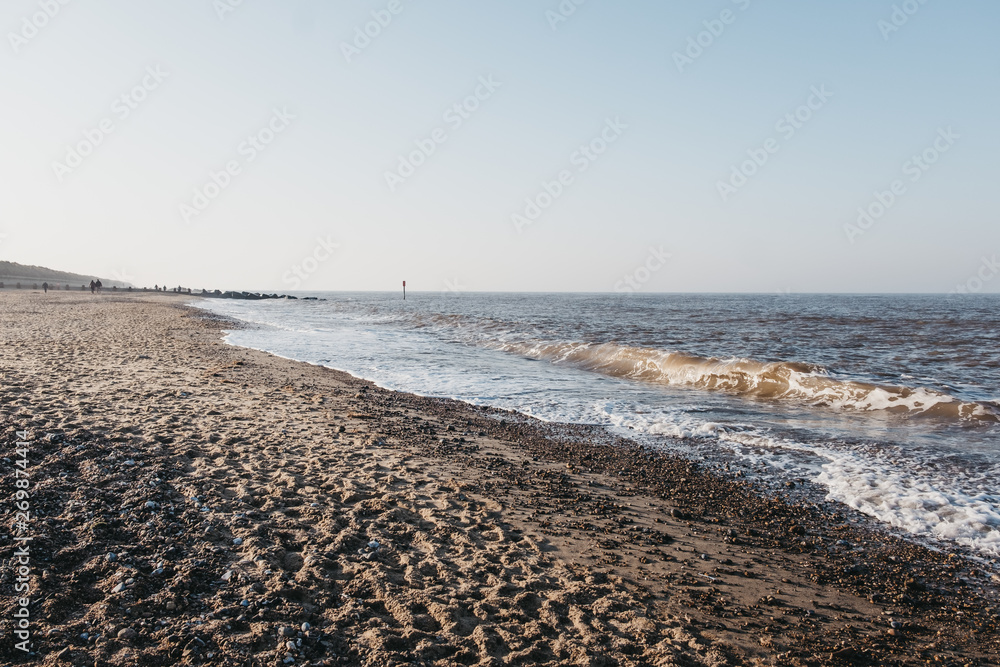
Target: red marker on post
x=404, y=290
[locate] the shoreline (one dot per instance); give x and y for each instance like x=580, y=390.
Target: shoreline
x=500, y=539
x=719, y=459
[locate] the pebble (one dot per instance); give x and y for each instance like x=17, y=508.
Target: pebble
x=245, y=603
x=373, y=545
x=238, y=541
x=150, y=504
x=127, y=634
x=112, y=557
x=171, y=605
x=227, y=575
x=306, y=627
x=289, y=659
x=119, y=588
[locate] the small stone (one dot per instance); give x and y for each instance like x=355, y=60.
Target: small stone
x=119, y=588
x=227, y=575
x=290, y=646
x=286, y=631
x=373, y=545
x=238, y=541
x=112, y=557
x=171, y=605
x=150, y=505
x=289, y=659
x=125, y=634
x=245, y=603
x=306, y=627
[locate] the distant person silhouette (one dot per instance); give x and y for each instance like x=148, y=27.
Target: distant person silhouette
x=93, y=287
x=99, y=285
x=45, y=287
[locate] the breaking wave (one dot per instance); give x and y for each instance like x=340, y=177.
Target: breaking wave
x=746, y=377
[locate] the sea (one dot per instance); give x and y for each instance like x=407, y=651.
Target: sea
x=889, y=404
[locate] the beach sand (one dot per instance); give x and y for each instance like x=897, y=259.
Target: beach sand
x=196, y=503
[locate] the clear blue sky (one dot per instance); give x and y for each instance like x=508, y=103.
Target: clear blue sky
x=609, y=68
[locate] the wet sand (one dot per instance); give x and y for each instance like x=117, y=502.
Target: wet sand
x=196, y=503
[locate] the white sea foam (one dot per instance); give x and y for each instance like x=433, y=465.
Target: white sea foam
x=631, y=390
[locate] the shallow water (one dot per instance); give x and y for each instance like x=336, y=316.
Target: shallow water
x=891, y=403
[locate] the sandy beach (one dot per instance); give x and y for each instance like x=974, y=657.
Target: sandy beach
x=196, y=503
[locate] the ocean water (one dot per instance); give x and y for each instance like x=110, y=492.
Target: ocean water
x=889, y=404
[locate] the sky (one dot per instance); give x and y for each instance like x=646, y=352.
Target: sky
x=523, y=145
